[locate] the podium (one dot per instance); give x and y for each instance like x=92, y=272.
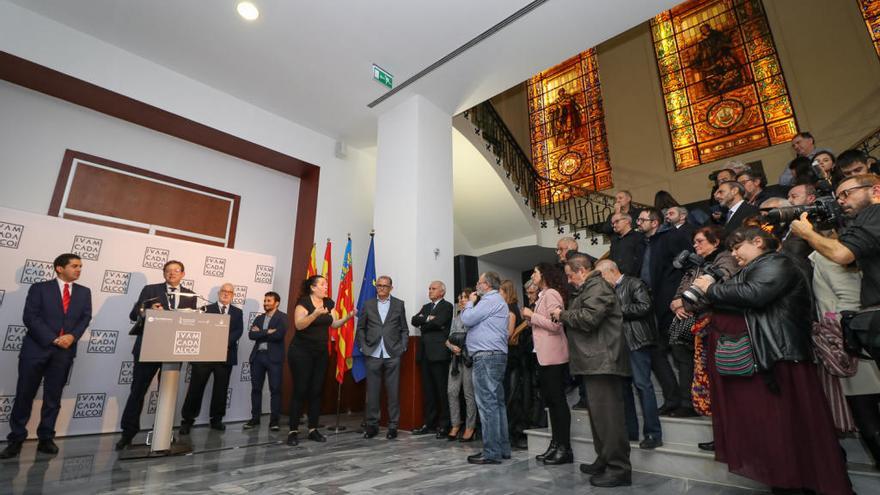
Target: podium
x=173, y=338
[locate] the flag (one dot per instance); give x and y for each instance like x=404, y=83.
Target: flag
x=368, y=291
x=326, y=270
x=312, y=270
x=344, y=305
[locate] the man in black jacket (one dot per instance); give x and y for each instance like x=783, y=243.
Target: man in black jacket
x=730, y=196
x=434, y=320
x=627, y=245
x=267, y=359
x=640, y=331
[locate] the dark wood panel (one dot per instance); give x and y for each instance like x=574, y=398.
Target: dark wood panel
x=105, y=224
x=182, y=237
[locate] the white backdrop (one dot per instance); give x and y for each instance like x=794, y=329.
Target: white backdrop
x=116, y=265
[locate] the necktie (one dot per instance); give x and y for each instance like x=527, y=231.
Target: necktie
x=65, y=303
x=172, y=300
x=223, y=310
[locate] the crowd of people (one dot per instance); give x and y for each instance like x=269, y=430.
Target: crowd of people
x=761, y=310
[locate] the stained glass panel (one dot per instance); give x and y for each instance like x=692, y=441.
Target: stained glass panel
x=871, y=13
x=567, y=126
x=723, y=87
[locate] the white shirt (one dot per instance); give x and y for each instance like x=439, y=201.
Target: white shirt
x=176, y=296
x=383, y=307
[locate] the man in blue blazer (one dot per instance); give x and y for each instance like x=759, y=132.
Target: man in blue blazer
x=221, y=371
x=56, y=313
x=267, y=357
x=167, y=295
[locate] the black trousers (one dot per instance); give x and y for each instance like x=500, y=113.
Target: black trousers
x=684, y=361
x=142, y=377
x=192, y=404
x=660, y=363
x=52, y=370
x=552, y=380
x=435, y=398
x=605, y=403
x=866, y=413
x=308, y=366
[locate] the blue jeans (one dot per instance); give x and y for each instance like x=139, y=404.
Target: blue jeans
x=641, y=367
x=488, y=376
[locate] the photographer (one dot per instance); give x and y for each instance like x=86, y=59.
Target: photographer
x=859, y=198
x=770, y=419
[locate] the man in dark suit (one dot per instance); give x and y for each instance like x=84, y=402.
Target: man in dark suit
x=382, y=335
x=434, y=321
x=167, y=295
x=267, y=357
x=56, y=313
x=730, y=195
x=200, y=372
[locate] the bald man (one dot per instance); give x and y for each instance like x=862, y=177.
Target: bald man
x=192, y=404
x=434, y=320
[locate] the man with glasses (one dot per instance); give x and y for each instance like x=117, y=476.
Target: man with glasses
x=622, y=204
x=200, y=372
x=382, y=335
x=167, y=295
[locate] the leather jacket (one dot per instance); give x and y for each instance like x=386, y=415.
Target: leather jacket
x=721, y=259
x=639, y=322
x=775, y=299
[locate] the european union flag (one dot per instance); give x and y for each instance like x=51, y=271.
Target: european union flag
x=368, y=291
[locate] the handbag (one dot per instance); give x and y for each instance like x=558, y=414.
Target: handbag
x=680, y=331
x=830, y=348
x=734, y=356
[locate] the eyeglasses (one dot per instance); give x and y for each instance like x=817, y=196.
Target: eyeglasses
x=846, y=192
x=640, y=220
x=383, y=286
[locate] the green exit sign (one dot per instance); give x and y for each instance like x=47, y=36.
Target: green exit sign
x=382, y=76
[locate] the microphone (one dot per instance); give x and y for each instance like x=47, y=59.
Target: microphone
x=149, y=302
x=197, y=297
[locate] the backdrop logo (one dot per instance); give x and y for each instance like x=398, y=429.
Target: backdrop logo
x=154, y=401
x=240, y=295
x=88, y=248
x=103, y=341
x=188, y=284
x=14, y=337
x=89, y=405
x=215, y=267
x=263, y=274
x=10, y=235
x=126, y=372
x=37, y=271
x=115, y=282
x=228, y=398
x=187, y=343
x=245, y=372
x=155, y=258
x=6, y=402
x=251, y=317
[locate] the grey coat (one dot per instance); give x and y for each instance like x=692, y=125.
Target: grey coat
x=594, y=325
x=394, y=331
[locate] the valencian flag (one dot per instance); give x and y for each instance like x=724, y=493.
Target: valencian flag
x=326, y=272
x=312, y=270
x=368, y=291
x=344, y=306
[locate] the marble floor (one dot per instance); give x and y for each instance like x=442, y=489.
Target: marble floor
x=258, y=462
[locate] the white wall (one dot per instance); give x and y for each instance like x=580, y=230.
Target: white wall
x=506, y=272
x=346, y=188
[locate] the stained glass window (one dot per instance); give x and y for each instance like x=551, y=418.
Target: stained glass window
x=871, y=12
x=567, y=127
x=722, y=83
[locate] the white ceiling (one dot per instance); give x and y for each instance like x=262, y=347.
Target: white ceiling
x=310, y=61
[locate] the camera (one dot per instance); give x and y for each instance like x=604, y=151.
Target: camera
x=824, y=212
x=686, y=259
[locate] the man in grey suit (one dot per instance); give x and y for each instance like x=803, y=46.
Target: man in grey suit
x=382, y=335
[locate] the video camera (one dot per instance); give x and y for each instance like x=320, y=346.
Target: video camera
x=686, y=259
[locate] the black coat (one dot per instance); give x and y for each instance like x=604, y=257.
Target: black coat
x=775, y=298
x=665, y=245
x=744, y=211
x=154, y=292
x=236, y=328
x=432, y=345
x=627, y=252
x=639, y=323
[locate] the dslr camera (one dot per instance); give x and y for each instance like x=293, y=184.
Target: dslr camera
x=824, y=213
x=687, y=259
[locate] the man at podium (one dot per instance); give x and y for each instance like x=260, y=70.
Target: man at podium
x=167, y=295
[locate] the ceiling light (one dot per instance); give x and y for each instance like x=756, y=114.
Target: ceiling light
x=247, y=10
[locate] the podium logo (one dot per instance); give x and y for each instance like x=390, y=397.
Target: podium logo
x=228, y=397
x=115, y=282
x=240, y=295
x=214, y=267
x=155, y=258
x=126, y=372
x=187, y=343
x=88, y=248
x=14, y=337
x=188, y=284
x=103, y=341
x=6, y=402
x=10, y=235
x=37, y=271
x=89, y=405
x=245, y=372
x=263, y=274
x=153, y=402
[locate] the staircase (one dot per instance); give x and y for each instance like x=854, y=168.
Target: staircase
x=679, y=456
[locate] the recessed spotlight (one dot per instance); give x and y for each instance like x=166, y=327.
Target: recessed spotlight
x=247, y=10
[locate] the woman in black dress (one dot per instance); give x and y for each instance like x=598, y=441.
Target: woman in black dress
x=308, y=354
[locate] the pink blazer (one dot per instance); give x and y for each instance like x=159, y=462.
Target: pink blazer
x=551, y=344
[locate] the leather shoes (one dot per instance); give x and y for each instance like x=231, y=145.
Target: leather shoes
x=441, y=433
x=252, y=423
x=316, y=436
x=423, y=430
x=562, y=455
x=184, y=429
x=370, y=432
x=594, y=468
x=650, y=443
x=665, y=409
x=292, y=439
x=483, y=461
x=610, y=480
x=123, y=442
x=478, y=455
x=392, y=434
x=47, y=446
x=551, y=449
x=11, y=450
x=217, y=425
x=707, y=446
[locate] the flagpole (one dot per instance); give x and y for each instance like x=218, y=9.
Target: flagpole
x=338, y=428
